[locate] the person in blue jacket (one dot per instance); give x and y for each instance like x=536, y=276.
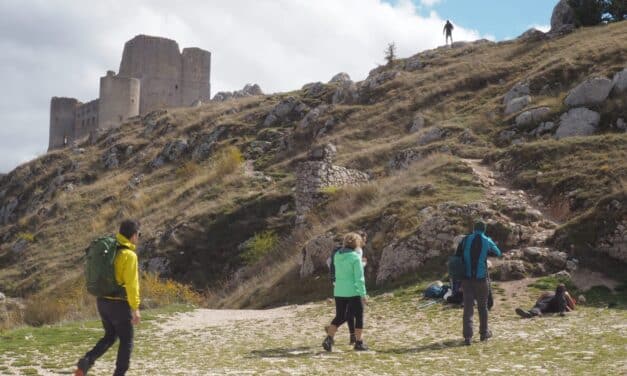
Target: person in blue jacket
x=474, y=249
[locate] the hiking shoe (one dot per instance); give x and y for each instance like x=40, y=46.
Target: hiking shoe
x=360, y=346
x=486, y=336
x=524, y=314
x=327, y=344
x=352, y=339
x=82, y=366
x=467, y=341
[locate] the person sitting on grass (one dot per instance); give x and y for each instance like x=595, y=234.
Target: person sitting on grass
x=558, y=302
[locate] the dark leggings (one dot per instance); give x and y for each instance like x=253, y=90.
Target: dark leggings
x=349, y=309
x=116, y=321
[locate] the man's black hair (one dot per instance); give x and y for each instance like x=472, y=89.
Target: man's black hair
x=129, y=227
x=479, y=226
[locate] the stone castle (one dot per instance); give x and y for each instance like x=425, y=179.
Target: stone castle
x=153, y=74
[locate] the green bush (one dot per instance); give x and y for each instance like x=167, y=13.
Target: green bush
x=259, y=245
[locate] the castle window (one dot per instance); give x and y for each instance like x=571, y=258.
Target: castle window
x=176, y=87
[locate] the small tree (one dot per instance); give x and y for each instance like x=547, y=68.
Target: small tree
x=390, y=53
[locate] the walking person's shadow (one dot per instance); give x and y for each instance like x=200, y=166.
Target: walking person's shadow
x=441, y=345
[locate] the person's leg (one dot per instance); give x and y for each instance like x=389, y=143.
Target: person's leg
x=340, y=317
x=357, y=310
x=469, y=299
x=350, y=321
x=124, y=329
x=104, y=310
x=481, y=291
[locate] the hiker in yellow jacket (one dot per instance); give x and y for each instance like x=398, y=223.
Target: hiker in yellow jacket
x=119, y=313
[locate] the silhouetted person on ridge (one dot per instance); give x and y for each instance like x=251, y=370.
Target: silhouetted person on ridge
x=448, y=31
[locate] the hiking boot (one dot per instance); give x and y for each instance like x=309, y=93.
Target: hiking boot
x=485, y=337
x=360, y=346
x=524, y=314
x=327, y=344
x=352, y=339
x=467, y=341
x=82, y=366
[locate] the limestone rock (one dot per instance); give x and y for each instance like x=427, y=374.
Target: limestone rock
x=517, y=104
x=417, y=124
x=288, y=109
x=511, y=270
x=203, y=145
x=326, y=153
x=578, y=122
x=315, y=254
x=563, y=18
x=171, y=152
x=7, y=211
x=431, y=134
x=532, y=35
x=413, y=63
x=620, y=81
x=591, y=92
x=314, y=89
x=247, y=91
x=340, y=78
x=346, y=93
x=519, y=90
x=544, y=128
x=532, y=116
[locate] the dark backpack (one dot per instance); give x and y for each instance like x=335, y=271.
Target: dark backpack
x=99, y=268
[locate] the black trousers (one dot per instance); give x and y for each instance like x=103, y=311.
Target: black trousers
x=116, y=321
x=349, y=309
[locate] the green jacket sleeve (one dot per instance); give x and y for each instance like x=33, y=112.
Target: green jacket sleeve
x=360, y=280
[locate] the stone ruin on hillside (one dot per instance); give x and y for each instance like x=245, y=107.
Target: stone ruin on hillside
x=318, y=173
x=153, y=74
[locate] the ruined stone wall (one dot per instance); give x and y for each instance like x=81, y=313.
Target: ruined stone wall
x=313, y=176
x=86, y=119
x=196, y=65
x=119, y=99
x=62, y=120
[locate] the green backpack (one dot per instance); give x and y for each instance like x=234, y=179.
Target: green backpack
x=99, y=268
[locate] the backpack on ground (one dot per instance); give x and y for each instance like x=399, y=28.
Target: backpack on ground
x=99, y=267
x=435, y=290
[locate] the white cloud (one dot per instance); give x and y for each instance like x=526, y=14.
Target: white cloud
x=62, y=49
x=543, y=28
x=429, y=3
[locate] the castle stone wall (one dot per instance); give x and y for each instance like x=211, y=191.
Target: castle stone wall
x=86, y=118
x=196, y=65
x=62, y=119
x=119, y=99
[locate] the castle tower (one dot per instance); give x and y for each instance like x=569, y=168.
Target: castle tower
x=196, y=65
x=119, y=99
x=62, y=116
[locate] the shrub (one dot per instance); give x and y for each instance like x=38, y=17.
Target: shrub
x=227, y=162
x=156, y=292
x=259, y=245
x=28, y=236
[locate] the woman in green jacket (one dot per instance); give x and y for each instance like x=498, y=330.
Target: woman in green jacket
x=349, y=291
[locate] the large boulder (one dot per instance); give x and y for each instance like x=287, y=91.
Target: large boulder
x=563, y=18
x=510, y=270
x=517, y=104
x=248, y=91
x=315, y=254
x=620, y=81
x=533, y=116
x=288, y=109
x=519, y=90
x=346, y=93
x=578, y=122
x=591, y=92
x=532, y=35
x=340, y=78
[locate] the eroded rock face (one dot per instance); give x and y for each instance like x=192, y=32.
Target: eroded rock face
x=340, y=78
x=315, y=254
x=203, y=145
x=287, y=110
x=591, y=92
x=563, y=18
x=620, y=82
x=171, y=152
x=578, y=122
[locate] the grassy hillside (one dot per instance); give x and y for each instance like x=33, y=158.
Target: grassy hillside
x=224, y=215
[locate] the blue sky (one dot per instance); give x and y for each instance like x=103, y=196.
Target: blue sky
x=499, y=18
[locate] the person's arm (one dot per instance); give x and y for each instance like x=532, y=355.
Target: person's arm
x=130, y=276
x=493, y=249
x=570, y=302
x=359, y=279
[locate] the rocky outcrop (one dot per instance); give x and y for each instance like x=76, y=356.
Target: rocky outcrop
x=563, y=19
x=248, y=91
x=346, y=93
x=519, y=90
x=417, y=124
x=315, y=254
x=203, y=144
x=171, y=152
x=614, y=244
x=289, y=109
x=578, y=122
x=340, y=78
x=532, y=117
x=619, y=82
x=532, y=35
x=591, y=92
x=432, y=134
x=517, y=104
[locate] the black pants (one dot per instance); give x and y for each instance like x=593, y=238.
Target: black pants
x=550, y=304
x=475, y=290
x=116, y=321
x=349, y=309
